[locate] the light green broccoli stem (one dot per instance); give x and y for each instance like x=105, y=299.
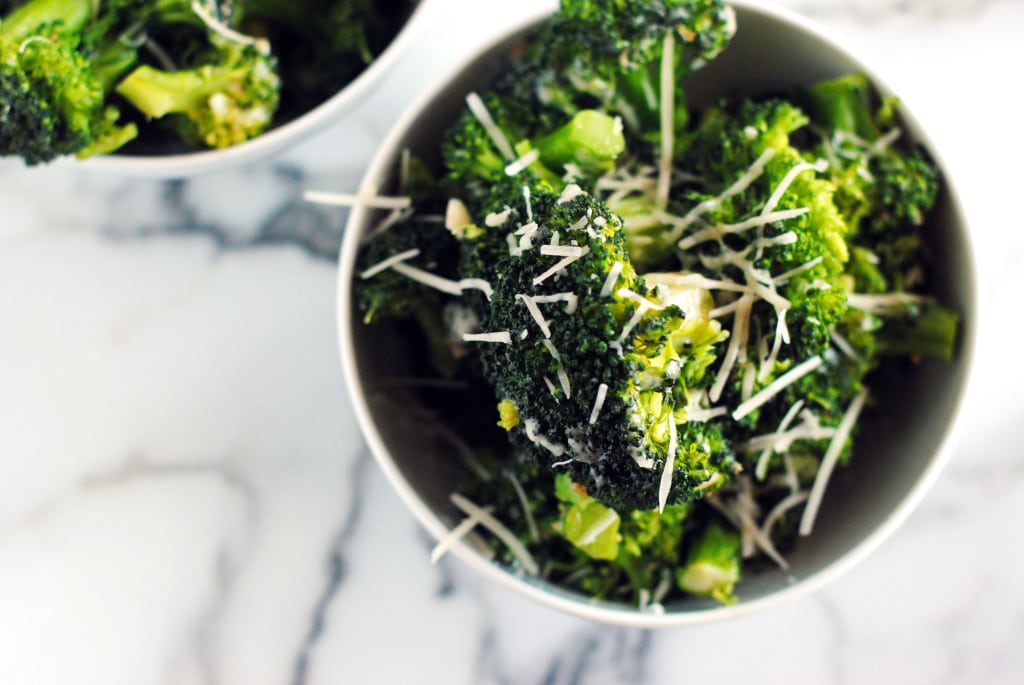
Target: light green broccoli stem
x=226, y=105
x=713, y=567
x=932, y=333
x=592, y=140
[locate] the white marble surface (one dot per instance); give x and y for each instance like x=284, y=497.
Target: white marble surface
x=184, y=496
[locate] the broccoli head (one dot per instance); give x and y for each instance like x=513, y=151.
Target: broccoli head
x=593, y=359
x=494, y=132
x=53, y=100
x=228, y=98
x=609, y=52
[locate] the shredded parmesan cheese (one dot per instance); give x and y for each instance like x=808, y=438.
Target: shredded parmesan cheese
x=667, y=112
x=454, y=535
x=495, y=337
x=522, y=163
x=538, y=316
x=828, y=462
x=362, y=199
x=389, y=262
x=456, y=217
x=739, y=185
x=555, y=250
x=519, y=551
x=216, y=26
x=524, y=504
x=571, y=300
x=479, y=110
x=530, y=426
x=777, y=386
x=602, y=393
x=612, y=279
x=571, y=192
x=560, y=265
x=761, y=468
x=737, y=344
x=787, y=180
x=495, y=219
x=665, y=486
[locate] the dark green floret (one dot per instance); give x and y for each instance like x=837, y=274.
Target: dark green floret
x=553, y=377
x=55, y=74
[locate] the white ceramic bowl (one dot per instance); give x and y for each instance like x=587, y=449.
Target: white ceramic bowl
x=274, y=140
x=900, y=450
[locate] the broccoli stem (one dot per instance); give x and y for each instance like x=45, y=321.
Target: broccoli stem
x=842, y=104
x=157, y=93
x=931, y=334
x=591, y=139
x=713, y=567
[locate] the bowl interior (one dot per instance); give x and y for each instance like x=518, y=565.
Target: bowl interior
x=903, y=437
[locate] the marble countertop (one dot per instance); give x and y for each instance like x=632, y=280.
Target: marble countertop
x=185, y=497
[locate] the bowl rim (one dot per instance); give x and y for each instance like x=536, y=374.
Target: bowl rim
x=276, y=139
x=577, y=605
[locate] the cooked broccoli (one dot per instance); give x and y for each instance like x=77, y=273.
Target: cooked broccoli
x=598, y=364
x=476, y=157
x=228, y=99
x=55, y=74
x=713, y=567
x=884, y=186
x=84, y=77
x=609, y=52
x=677, y=317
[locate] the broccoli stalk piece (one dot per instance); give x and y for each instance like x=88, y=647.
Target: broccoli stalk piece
x=228, y=99
x=596, y=363
x=713, y=566
x=931, y=331
x=55, y=74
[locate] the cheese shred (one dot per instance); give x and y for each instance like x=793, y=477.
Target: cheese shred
x=828, y=462
x=488, y=521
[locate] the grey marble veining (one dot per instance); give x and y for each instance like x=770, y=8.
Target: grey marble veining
x=185, y=497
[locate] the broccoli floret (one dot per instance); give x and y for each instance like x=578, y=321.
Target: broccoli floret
x=54, y=78
x=582, y=148
x=585, y=323
x=609, y=52
x=63, y=65
x=885, y=188
x=228, y=99
x=389, y=293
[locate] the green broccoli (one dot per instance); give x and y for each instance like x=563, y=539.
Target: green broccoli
x=884, y=186
x=227, y=99
x=677, y=315
x=610, y=52
x=713, y=566
x=595, y=361
x=477, y=156
x=64, y=63
x=55, y=74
